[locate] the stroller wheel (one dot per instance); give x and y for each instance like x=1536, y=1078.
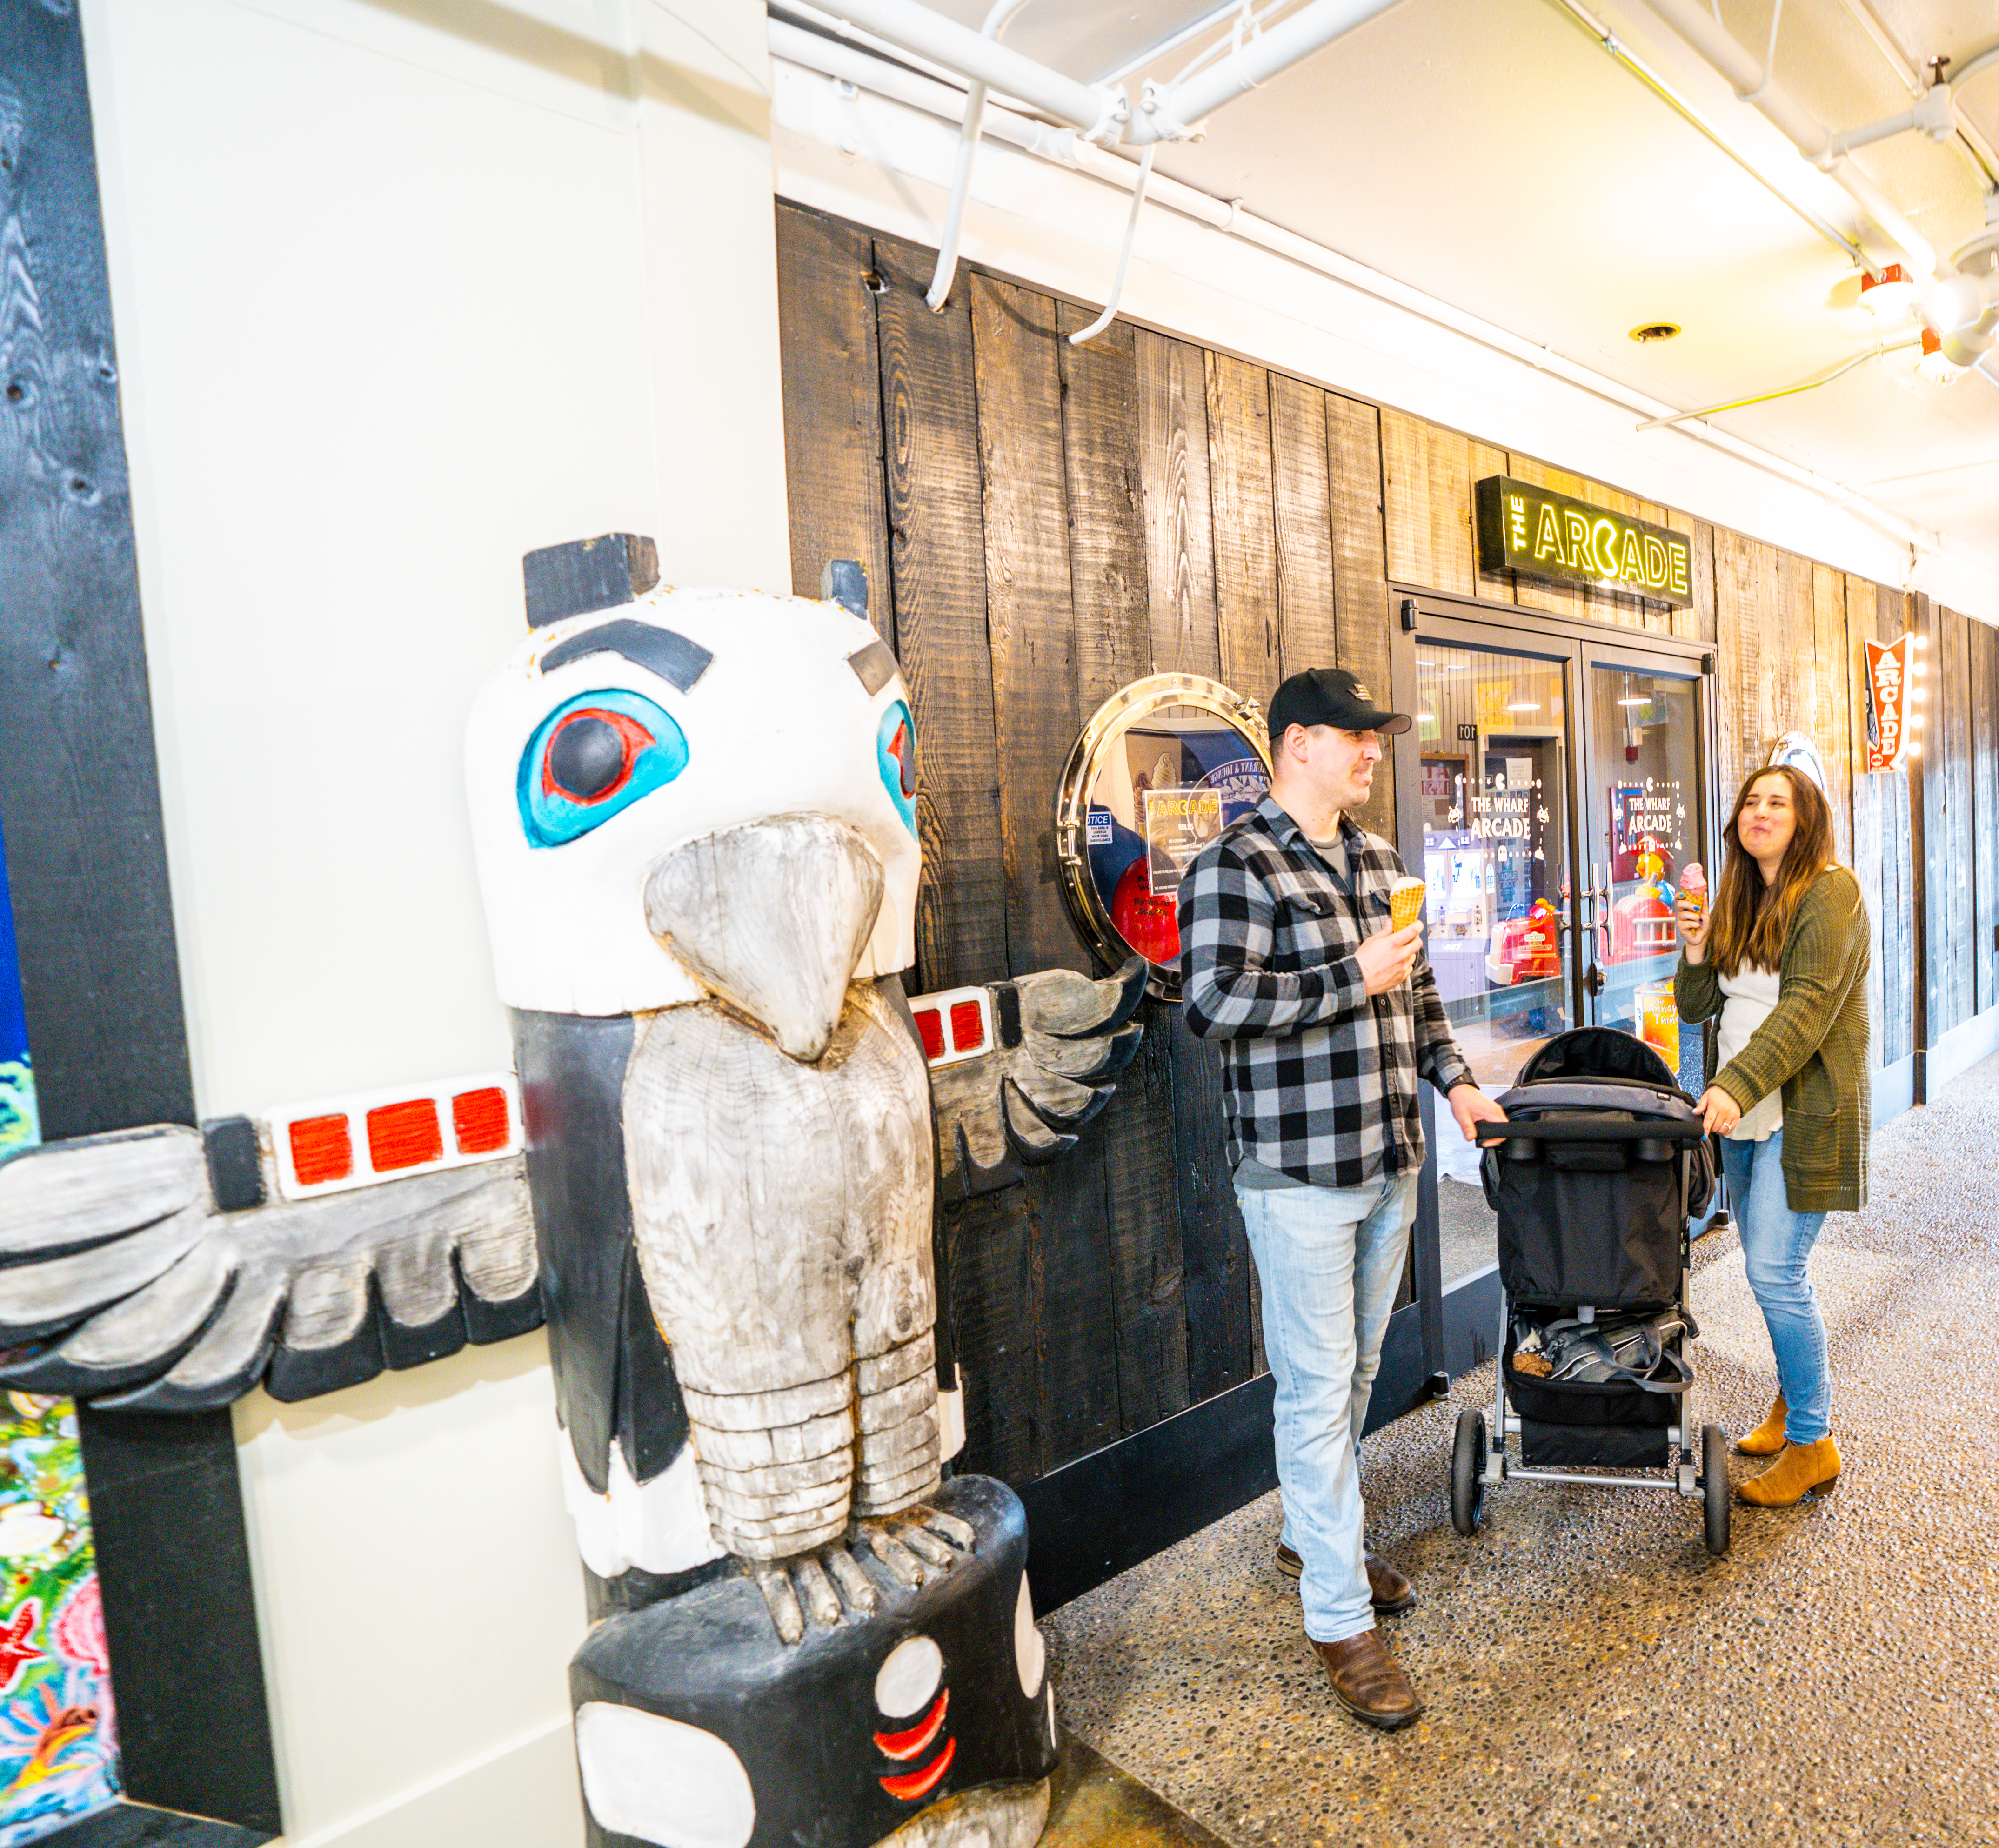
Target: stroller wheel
x=1467, y=1472
x=1714, y=1485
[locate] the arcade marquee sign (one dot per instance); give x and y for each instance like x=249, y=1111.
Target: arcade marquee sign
x=1536, y=534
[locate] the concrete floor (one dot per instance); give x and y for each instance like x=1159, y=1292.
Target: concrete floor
x=1592, y=1674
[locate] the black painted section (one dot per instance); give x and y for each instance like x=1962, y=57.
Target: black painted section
x=585, y=574
x=79, y=792
x=135, y=1825
x=802, y=1719
x=844, y=582
x=674, y=657
x=235, y=1176
x=1471, y=1323
x=193, y=1724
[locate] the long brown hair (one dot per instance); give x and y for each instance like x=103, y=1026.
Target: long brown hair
x=1751, y=920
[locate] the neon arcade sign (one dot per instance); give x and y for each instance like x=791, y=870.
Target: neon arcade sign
x=1533, y=533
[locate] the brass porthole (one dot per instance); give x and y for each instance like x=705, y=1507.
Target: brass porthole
x=1163, y=767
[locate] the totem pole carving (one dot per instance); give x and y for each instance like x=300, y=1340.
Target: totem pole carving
x=695, y=820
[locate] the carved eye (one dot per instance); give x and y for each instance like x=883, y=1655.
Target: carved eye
x=897, y=746
x=591, y=759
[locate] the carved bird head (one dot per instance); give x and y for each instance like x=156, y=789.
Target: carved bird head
x=703, y=791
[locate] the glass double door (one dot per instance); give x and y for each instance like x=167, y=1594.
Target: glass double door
x=1560, y=791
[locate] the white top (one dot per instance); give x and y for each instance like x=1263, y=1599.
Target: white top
x=1752, y=994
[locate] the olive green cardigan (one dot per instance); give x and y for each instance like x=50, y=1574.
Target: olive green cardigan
x=1814, y=1045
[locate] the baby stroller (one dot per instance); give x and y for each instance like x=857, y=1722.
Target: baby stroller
x=1603, y=1163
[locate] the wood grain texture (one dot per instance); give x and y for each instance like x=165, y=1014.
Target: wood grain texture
x=1180, y=521
x=1245, y=538
x=1115, y=635
x=995, y=1310
x=1946, y=735
x=1559, y=599
x=1696, y=621
x=1832, y=728
x=1427, y=475
x=1220, y=1350
x=1898, y=880
x=1307, y=634
x=1361, y=565
x=1866, y=799
x=1101, y=452
x=1033, y=626
x=929, y=416
x=832, y=406
x=1983, y=677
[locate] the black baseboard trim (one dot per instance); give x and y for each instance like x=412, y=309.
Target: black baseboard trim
x=1105, y=1513
x=135, y=1825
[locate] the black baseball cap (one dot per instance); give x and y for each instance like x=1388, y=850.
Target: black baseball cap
x=1329, y=696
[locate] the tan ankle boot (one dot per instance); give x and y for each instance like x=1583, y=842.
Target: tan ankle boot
x=1803, y=1469
x=1768, y=1438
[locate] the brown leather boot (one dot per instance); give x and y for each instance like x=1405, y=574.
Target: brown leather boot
x=1803, y=1469
x=1388, y=1589
x=1367, y=1681
x=1768, y=1438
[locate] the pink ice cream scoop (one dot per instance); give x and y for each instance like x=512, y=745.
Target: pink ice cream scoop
x=1693, y=884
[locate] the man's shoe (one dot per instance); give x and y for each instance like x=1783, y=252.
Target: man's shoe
x=1388, y=1589
x=1768, y=1438
x=1803, y=1469
x=1368, y=1683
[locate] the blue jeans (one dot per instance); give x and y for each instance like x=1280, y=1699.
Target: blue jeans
x=1775, y=1243
x=1329, y=1260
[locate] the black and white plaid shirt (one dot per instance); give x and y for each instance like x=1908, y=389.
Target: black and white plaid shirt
x=1319, y=1077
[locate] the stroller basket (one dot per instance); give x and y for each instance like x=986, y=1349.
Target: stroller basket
x=1598, y=1173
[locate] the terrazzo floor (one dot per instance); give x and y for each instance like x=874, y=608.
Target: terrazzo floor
x=1593, y=1676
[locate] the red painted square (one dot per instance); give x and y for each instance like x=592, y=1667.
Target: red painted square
x=404, y=1135
x=968, y=1027
x=479, y=1120
x=931, y=1029
x=321, y=1150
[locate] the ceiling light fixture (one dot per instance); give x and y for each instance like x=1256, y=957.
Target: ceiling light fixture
x=1655, y=330
x=1889, y=296
x=1525, y=705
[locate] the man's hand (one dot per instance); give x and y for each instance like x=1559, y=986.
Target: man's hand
x=1387, y=957
x=1719, y=1113
x=1471, y=1106
x=1691, y=916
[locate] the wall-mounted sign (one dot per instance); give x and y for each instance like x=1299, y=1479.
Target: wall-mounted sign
x=1888, y=680
x=1533, y=533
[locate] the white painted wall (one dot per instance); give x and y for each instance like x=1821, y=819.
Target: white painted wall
x=403, y=291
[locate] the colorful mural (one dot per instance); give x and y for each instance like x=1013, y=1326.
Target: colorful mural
x=58, y=1757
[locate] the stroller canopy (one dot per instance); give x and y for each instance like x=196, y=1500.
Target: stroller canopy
x=1598, y=1052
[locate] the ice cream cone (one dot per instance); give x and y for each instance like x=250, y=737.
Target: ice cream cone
x=1405, y=901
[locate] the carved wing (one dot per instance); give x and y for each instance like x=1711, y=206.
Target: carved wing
x=121, y=1281
x=1050, y=1046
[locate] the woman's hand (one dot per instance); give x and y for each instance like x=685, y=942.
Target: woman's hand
x=1691, y=916
x=1719, y=1113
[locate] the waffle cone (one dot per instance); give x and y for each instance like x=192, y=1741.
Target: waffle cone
x=1405, y=902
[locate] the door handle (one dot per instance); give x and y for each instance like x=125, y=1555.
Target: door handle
x=1593, y=979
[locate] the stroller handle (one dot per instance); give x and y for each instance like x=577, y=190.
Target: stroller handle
x=1661, y=1115
x=1570, y=1130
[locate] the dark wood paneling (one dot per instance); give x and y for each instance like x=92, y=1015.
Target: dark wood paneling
x=1948, y=739
x=1221, y=1345
x=832, y=405
x=1832, y=730
x=1360, y=565
x=1034, y=626
x=1898, y=932
x=930, y=418
x=1245, y=538
x=1307, y=634
x=1179, y=531
x=1984, y=695
x=1867, y=801
x=1696, y=621
x=1134, y=1150
x=79, y=791
x=996, y=1312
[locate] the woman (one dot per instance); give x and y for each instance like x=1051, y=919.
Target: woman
x=1783, y=961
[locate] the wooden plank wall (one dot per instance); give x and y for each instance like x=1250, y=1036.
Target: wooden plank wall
x=1042, y=524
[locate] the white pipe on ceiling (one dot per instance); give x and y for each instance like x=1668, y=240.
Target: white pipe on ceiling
x=1812, y=139
x=1161, y=113
x=848, y=63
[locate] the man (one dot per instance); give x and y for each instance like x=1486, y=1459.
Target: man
x=1326, y=1018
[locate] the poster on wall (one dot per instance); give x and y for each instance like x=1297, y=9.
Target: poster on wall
x=1179, y=824
x=58, y=1757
